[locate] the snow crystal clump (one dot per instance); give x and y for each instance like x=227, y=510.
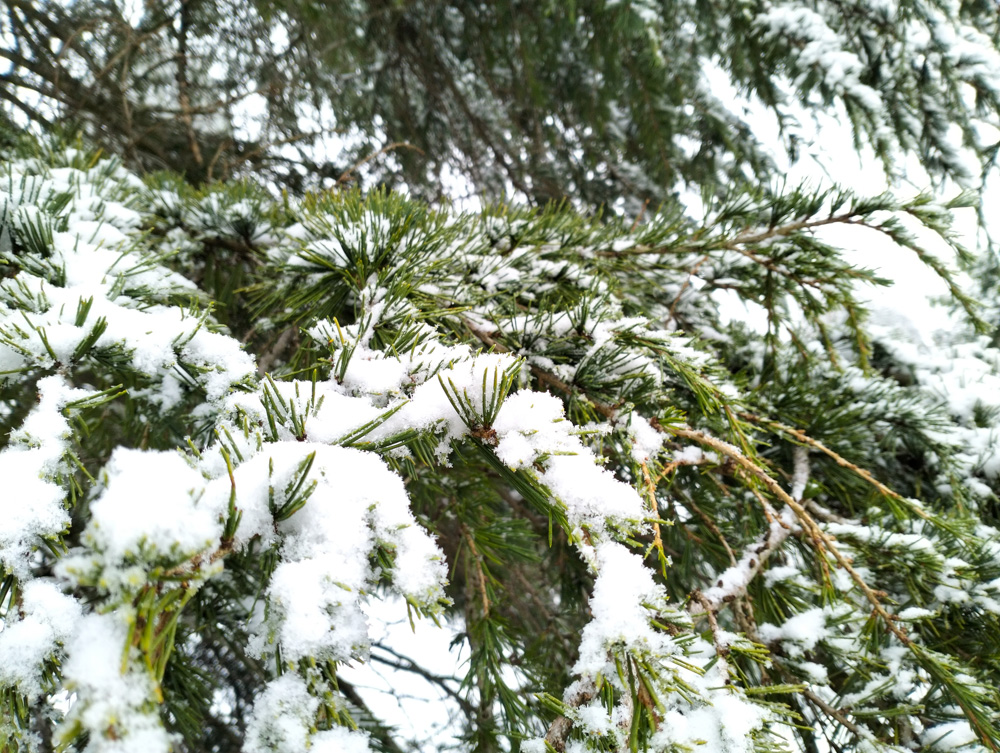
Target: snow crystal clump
x=162, y=520
x=31, y=507
x=531, y=426
x=621, y=618
x=282, y=717
x=48, y=618
x=356, y=505
x=116, y=707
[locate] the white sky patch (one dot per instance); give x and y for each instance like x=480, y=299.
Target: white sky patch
x=418, y=708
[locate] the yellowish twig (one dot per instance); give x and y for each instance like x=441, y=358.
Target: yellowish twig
x=481, y=579
x=808, y=523
x=654, y=510
x=801, y=436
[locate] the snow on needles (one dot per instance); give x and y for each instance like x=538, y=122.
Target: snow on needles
x=625, y=602
x=282, y=722
x=531, y=426
x=48, y=619
x=357, y=505
x=33, y=466
x=111, y=703
x=623, y=595
x=298, y=473
x=96, y=288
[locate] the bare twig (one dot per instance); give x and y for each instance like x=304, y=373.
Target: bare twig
x=638, y=218
x=834, y=713
x=381, y=733
x=714, y=528
x=405, y=663
x=269, y=356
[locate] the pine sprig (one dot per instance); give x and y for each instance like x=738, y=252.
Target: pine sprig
x=494, y=418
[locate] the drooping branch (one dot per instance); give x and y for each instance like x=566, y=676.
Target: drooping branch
x=741, y=240
x=863, y=473
x=823, y=540
x=733, y=582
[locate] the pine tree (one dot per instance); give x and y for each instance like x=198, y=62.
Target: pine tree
x=234, y=417
x=600, y=102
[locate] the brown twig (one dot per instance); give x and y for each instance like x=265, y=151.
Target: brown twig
x=801, y=436
x=834, y=713
x=561, y=726
x=345, y=176
x=638, y=218
x=822, y=539
x=673, y=465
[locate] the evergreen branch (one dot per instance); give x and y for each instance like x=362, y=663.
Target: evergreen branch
x=808, y=523
x=654, y=510
x=542, y=375
x=714, y=528
x=397, y=302
x=866, y=475
x=687, y=283
x=745, y=238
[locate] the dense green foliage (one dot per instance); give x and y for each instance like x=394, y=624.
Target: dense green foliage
x=244, y=402
x=602, y=103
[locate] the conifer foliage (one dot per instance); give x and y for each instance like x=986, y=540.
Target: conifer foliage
x=601, y=102
x=655, y=531
x=236, y=417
